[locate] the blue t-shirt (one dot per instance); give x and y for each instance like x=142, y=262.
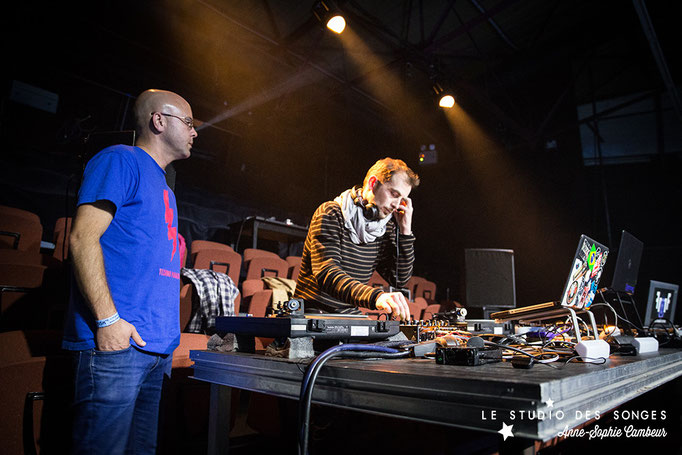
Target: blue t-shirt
x=140, y=247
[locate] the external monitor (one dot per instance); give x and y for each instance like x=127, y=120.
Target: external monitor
x=661, y=302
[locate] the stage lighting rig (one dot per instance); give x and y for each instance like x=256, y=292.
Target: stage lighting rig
x=444, y=96
x=329, y=14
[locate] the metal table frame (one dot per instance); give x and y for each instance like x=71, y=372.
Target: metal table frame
x=419, y=389
x=258, y=227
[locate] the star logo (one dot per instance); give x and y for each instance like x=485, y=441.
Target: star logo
x=506, y=431
x=550, y=403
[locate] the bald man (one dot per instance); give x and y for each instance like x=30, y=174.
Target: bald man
x=123, y=323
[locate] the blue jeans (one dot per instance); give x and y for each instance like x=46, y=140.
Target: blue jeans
x=116, y=400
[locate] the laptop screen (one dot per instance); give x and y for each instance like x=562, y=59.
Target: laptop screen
x=588, y=264
x=627, y=263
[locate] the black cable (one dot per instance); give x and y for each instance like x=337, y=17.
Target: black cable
x=344, y=350
x=663, y=322
x=239, y=236
x=592, y=360
x=397, y=253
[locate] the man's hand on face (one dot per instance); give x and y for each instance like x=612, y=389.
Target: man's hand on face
x=403, y=216
x=395, y=304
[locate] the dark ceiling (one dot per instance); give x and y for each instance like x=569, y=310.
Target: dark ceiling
x=296, y=114
x=268, y=59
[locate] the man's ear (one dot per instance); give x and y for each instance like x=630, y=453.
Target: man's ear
x=157, y=122
x=371, y=182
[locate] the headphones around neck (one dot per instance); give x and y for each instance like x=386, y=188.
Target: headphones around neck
x=370, y=211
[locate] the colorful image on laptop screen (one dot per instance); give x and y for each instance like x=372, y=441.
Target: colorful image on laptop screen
x=588, y=264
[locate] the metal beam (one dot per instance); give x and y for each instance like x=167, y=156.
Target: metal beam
x=497, y=28
x=650, y=33
x=469, y=25
x=439, y=24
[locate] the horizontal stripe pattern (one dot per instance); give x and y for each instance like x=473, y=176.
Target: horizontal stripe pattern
x=335, y=271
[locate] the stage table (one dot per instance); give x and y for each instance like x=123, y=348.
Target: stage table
x=476, y=397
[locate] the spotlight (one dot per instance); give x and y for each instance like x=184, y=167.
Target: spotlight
x=330, y=15
x=444, y=96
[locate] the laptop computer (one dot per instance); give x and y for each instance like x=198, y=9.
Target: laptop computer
x=627, y=264
x=661, y=303
x=581, y=284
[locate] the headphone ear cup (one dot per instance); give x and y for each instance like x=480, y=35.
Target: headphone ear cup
x=371, y=212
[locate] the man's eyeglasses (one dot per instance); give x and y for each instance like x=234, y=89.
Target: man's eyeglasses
x=189, y=121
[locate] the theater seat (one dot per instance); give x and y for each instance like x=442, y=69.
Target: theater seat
x=20, y=281
x=294, y=266
x=62, y=229
x=262, y=266
x=21, y=230
x=198, y=245
x=427, y=290
x=372, y=314
x=256, y=297
x=220, y=260
x=430, y=310
x=250, y=253
x=35, y=394
x=419, y=304
x=377, y=281
x=412, y=285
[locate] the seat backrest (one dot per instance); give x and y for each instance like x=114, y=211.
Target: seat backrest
x=259, y=303
x=256, y=297
x=259, y=267
x=294, y=266
x=32, y=362
x=376, y=281
x=250, y=287
x=186, y=293
x=371, y=314
x=14, y=271
x=188, y=342
x=293, y=260
x=62, y=229
x=250, y=253
x=15, y=347
x=419, y=305
x=412, y=285
x=426, y=289
x=19, y=345
x=20, y=230
x=430, y=310
x=224, y=261
x=198, y=245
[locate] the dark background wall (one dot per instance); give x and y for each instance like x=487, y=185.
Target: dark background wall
x=299, y=137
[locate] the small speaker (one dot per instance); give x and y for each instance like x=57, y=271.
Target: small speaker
x=490, y=281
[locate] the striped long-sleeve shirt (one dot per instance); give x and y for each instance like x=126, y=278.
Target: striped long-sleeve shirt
x=335, y=271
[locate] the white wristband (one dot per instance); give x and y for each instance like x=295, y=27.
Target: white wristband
x=108, y=321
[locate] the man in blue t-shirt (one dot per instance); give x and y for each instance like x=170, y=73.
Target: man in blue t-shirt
x=123, y=320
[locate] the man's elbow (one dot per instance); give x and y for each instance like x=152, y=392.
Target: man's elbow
x=78, y=242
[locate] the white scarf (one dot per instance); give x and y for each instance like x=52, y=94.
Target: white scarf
x=360, y=229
